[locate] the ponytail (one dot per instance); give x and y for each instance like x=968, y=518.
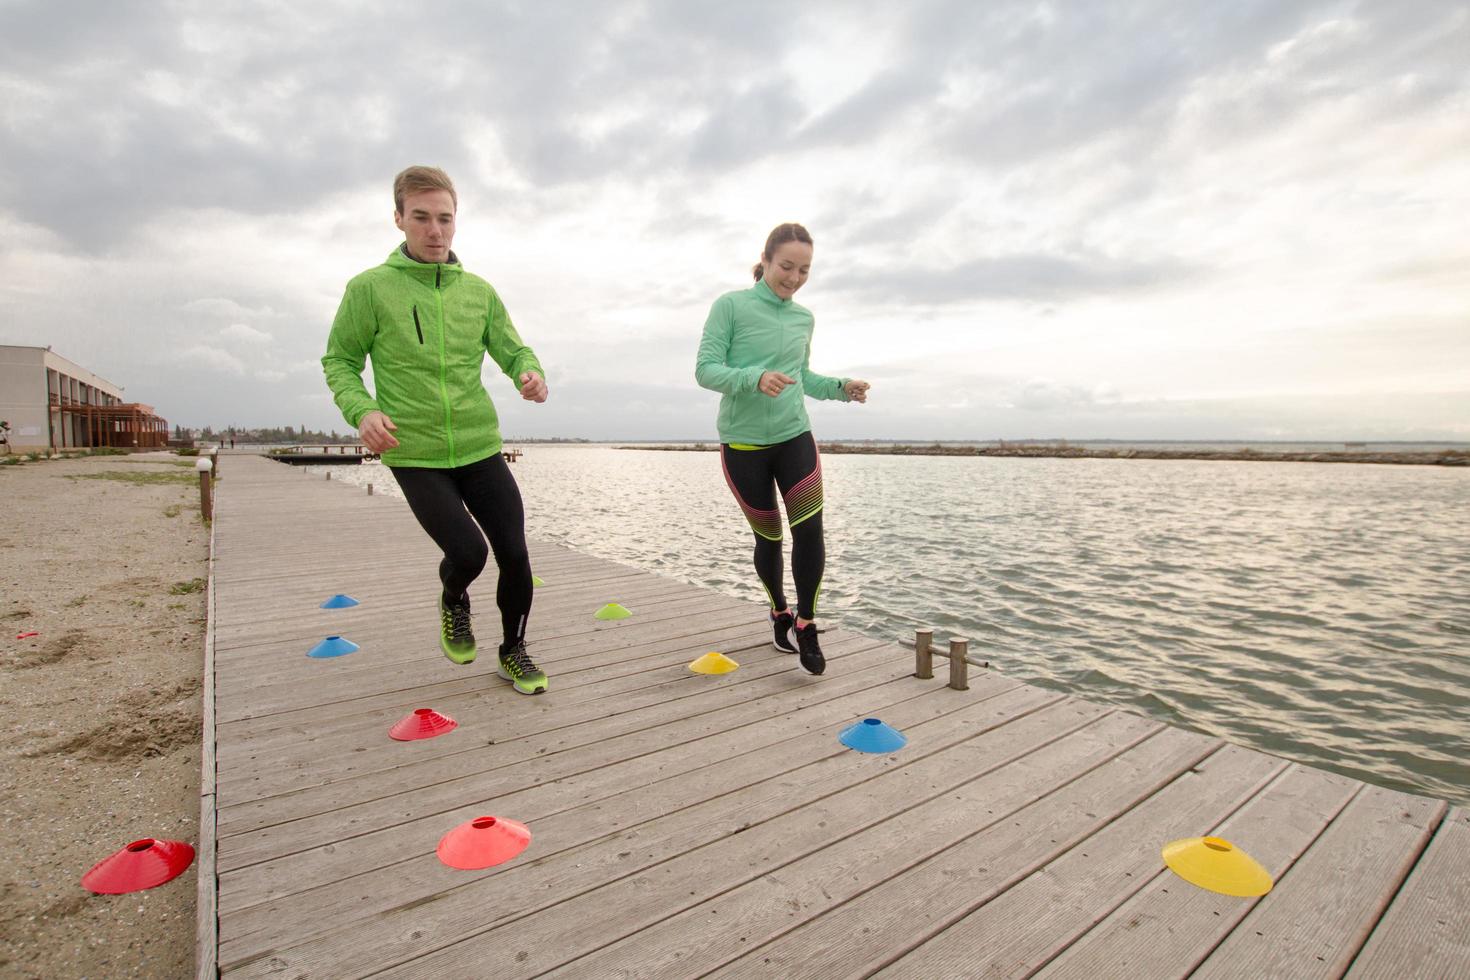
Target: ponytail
x=759, y=271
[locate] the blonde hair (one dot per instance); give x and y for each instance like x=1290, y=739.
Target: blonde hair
x=415, y=180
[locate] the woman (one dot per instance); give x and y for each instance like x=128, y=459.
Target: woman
x=756, y=351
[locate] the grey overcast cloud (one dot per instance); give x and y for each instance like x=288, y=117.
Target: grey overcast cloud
x=1131, y=220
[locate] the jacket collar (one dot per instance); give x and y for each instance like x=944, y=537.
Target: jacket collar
x=432, y=273
x=765, y=293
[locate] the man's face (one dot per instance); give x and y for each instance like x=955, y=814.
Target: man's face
x=427, y=221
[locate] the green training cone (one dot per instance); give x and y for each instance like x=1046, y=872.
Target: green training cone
x=537, y=580
x=1218, y=866
x=611, y=611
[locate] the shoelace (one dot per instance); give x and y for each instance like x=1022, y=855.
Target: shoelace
x=518, y=661
x=459, y=622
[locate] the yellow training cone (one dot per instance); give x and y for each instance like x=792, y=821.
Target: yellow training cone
x=713, y=663
x=1218, y=866
x=611, y=611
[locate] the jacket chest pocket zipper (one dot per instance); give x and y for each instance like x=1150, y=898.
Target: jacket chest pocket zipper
x=417, y=326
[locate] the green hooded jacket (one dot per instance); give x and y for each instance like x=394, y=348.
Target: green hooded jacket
x=749, y=332
x=427, y=327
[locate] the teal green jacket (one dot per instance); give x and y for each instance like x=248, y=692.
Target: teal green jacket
x=749, y=332
x=427, y=327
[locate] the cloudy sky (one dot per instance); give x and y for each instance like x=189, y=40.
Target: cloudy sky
x=1171, y=219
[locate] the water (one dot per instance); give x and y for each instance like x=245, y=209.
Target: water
x=1315, y=611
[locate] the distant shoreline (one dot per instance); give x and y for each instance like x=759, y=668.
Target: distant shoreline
x=1443, y=457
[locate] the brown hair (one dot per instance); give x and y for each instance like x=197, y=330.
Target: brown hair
x=415, y=180
x=780, y=235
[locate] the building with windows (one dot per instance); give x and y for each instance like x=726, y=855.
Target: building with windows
x=53, y=403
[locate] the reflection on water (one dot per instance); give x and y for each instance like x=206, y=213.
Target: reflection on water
x=1320, y=612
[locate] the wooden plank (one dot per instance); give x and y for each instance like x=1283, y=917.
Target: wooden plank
x=656, y=811
x=1315, y=920
x=613, y=675
x=563, y=656
x=1059, y=808
x=206, y=909
x=1169, y=927
x=744, y=882
x=1001, y=906
x=508, y=770
x=663, y=670
x=408, y=654
x=1426, y=931
x=300, y=786
x=791, y=816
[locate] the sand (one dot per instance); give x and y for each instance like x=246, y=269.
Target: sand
x=100, y=712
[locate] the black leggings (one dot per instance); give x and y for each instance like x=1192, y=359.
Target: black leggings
x=440, y=498
x=753, y=474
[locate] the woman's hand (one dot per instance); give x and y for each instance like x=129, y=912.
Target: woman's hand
x=856, y=391
x=773, y=383
x=374, y=431
x=533, y=387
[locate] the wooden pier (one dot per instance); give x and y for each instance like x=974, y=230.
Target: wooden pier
x=687, y=825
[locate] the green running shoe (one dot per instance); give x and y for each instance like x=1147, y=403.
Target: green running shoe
x=517, y=667
x=455, y=635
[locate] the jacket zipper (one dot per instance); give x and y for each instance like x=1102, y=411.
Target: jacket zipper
x=416, y=325
x=444, y=366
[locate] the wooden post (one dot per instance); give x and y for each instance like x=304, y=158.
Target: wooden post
x=923, y=656
x=206, y=490
x=959, y=669
x=214, y=459
x=370, y=489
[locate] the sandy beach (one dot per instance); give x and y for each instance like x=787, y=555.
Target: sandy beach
x=104, y=559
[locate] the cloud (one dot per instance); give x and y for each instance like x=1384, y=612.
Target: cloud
x=224, y=307
x=1030, y=200
x=245, y=334
x=212, y=359
x=1041, y=278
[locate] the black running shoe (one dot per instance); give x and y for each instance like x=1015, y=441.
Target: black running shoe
x=812, y=660
x=782, y=626
x=455, y=636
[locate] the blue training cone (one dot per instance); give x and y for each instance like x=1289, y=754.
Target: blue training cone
x=339, y=601
x=332, y=646
x=871, y=735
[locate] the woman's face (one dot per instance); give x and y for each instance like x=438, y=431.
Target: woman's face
x=786, y=271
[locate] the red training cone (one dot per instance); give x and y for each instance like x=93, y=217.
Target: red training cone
x=483, y=843
x=422, y=723
x=142, y=864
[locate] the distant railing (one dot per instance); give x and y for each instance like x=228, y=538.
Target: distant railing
x=355, y=449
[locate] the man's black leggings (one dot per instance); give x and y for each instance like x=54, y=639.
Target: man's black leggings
x=444, y=500
x=754, y=473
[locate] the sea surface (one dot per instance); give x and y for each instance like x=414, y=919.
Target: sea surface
x=1319, y=612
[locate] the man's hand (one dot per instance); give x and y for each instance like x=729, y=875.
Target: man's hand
x=533, y=387
x=374, y=431
x=856, y=390
x=773, y=383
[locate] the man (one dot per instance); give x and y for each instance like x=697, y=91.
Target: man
x=427, y=324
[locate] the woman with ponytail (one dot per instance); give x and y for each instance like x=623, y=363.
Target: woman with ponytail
x=756, y=352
